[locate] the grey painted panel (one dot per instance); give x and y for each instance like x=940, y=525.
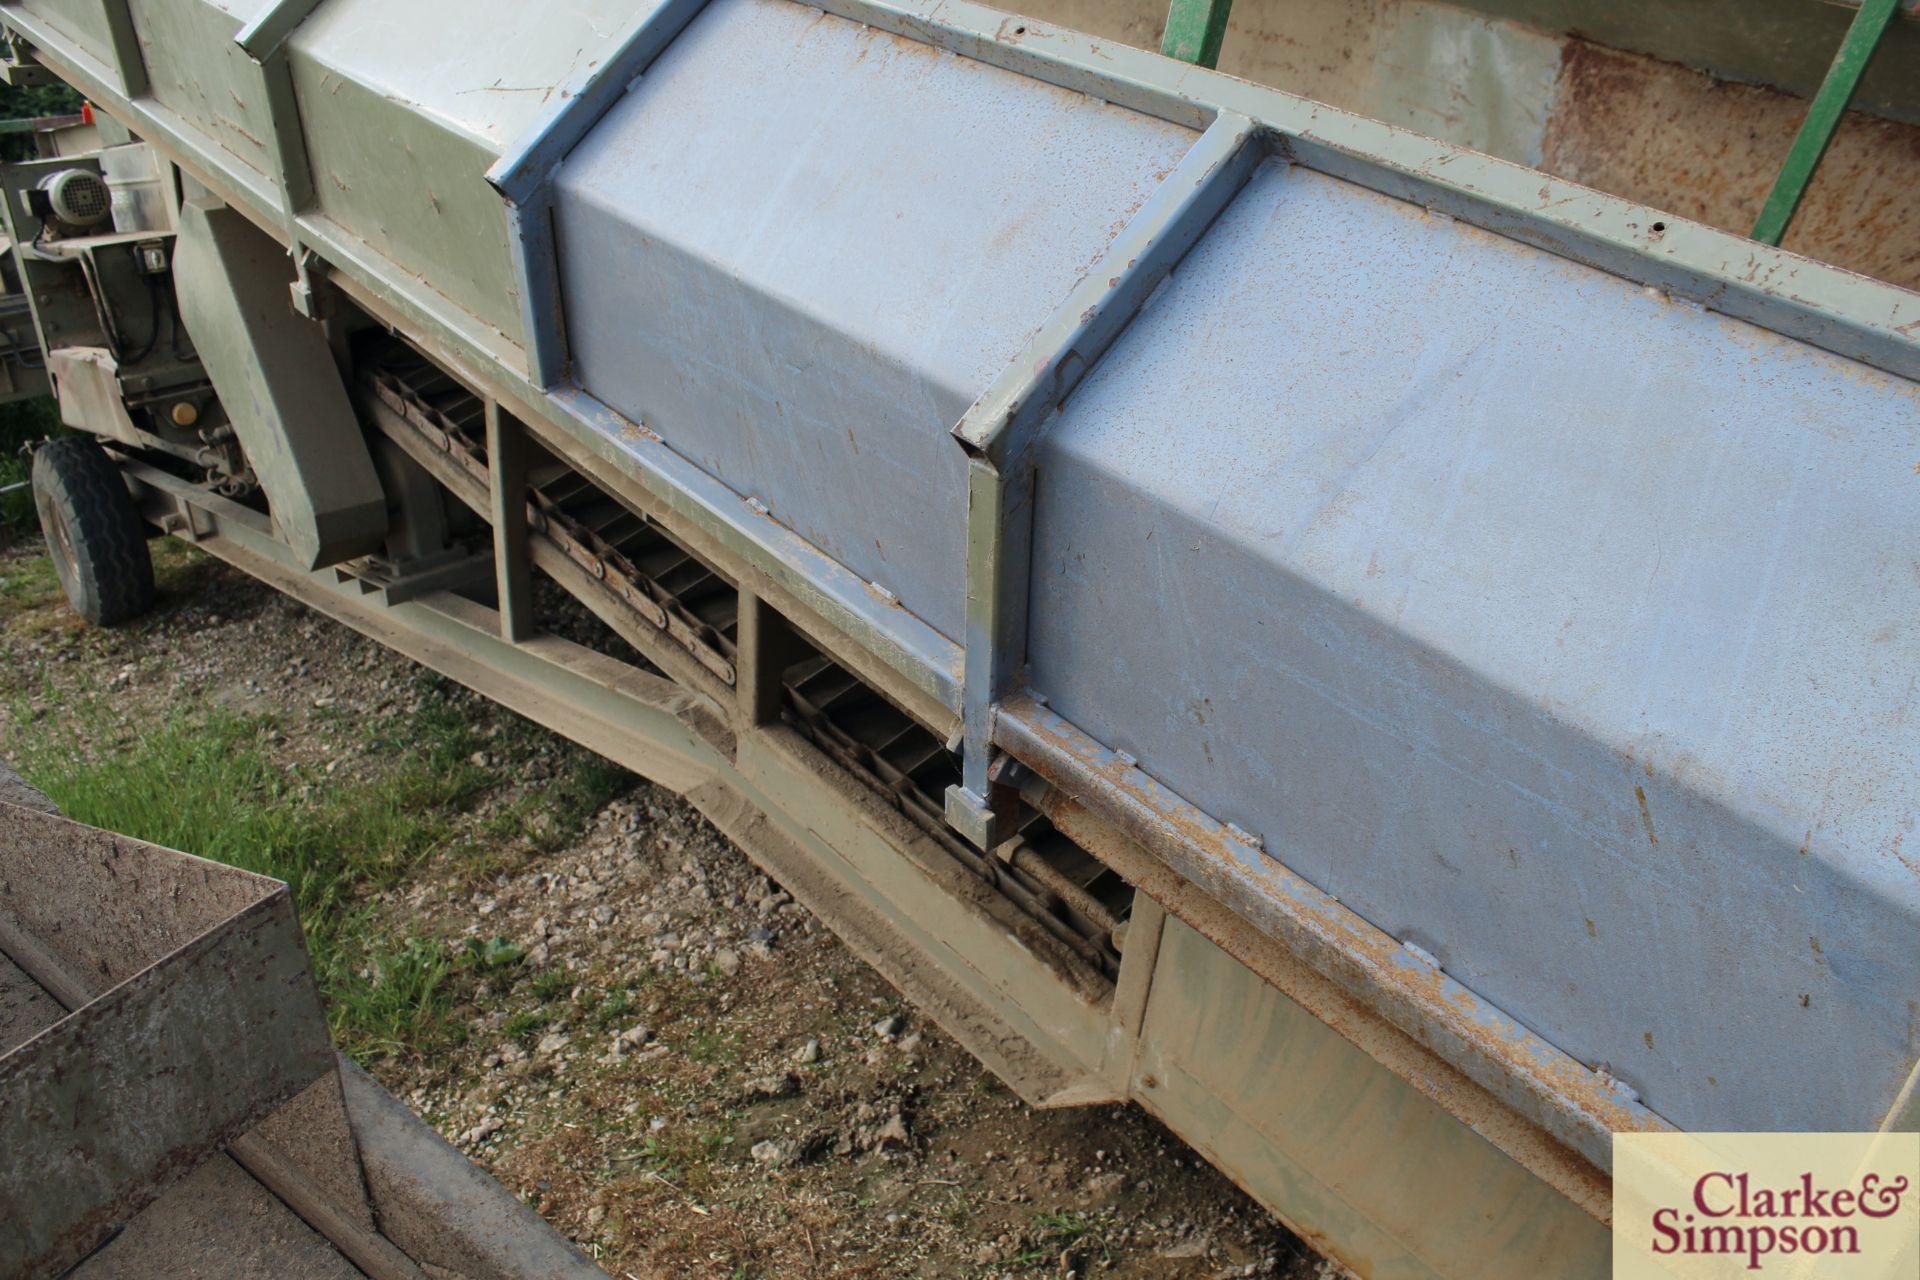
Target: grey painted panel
x=490, y=74
x=85, y=23
x=1565, y=630
x=802, y=290
x=195, y=68
x=400, y=143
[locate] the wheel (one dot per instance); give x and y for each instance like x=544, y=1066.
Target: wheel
x=96, y=539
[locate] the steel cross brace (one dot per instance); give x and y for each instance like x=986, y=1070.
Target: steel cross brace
x=1001, y=429
x=1823, y=118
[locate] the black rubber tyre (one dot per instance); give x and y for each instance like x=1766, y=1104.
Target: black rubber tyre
x=96, y=539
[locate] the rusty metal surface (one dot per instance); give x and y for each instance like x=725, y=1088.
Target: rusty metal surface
x=311, y=1134
x=280, y=1169
x=218, y=1223
x=1681, y=141
x=157, y=1069
x=16, y=790
x=26, y=1009
x=174, y=1046
x=1356, y=1020
x=104, y=907
x=1364, y=1163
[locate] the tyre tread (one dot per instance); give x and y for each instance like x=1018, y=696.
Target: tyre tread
x=112, y=570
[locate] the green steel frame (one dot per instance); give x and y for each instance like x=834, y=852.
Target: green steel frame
x=1195, y=30
x=1823, y=118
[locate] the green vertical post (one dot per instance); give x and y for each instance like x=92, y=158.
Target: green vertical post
x=1823, y=117
x=1195, y=29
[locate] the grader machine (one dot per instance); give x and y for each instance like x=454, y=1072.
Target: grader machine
x=1378, y=625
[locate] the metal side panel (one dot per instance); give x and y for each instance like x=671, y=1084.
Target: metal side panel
x=513, y=69
x=85, y=24
x=447, y=1214
x=408, y=187
x=194, y=1017
x=800, y=248
x=1352, y=1157
x=195, y=69
x=400, y=145
x=102, y=907
x=1561, y=629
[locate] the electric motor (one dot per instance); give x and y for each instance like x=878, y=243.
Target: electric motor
x=79, y=197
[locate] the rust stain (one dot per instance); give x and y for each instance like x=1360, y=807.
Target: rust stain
x=1905, y=861
x=1646, y=815
x=1681, y=141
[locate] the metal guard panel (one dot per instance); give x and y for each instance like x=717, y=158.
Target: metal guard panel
x=1561, y=629
x=801, y=248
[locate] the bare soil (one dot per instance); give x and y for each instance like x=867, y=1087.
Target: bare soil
x=647, y=1039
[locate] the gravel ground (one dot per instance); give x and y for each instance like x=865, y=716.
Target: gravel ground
x=649, y=1040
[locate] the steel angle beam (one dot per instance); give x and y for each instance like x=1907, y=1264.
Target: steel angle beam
x=523, y=177
x=998, y=432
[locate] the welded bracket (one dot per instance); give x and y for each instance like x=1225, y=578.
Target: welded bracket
x=124, y=47
x=19, y=69
x=1001, y=429
x=263, y=40
x=507, y=453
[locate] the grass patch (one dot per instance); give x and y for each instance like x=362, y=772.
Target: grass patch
x=208, y=784
x=551, y=984
x=218, y=783
x=1075, y=1232
x=28, y=583
x=21, y=423
x=32, y=605
x=522, y=1026
x=613, y=1012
